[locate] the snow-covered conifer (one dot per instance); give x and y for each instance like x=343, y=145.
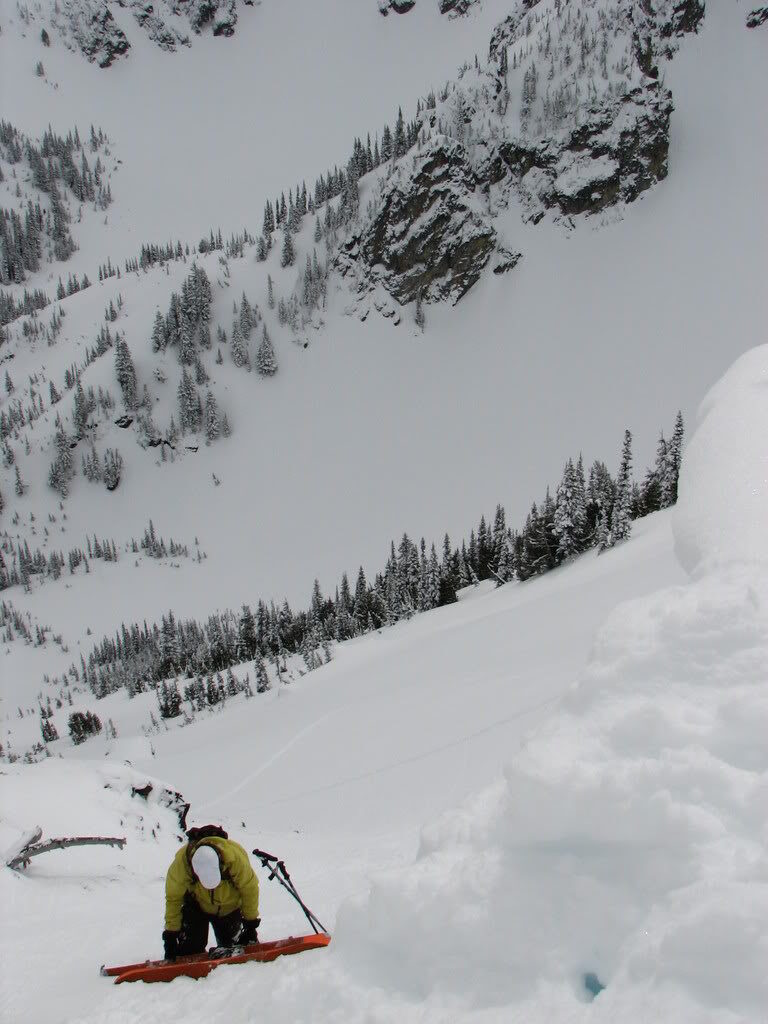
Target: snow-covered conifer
x=674, y=461
x=266, y=361
x=159, y=338
x=212, y=425
x=246, y=317
x=125, y=373
x=240, y=355
x=113, y=468
x=570, y=515
x=288, y=254
x=621, y=516
x=262, y=677
x=189, y=403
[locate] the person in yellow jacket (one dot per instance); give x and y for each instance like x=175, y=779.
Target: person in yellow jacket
x=210, y=881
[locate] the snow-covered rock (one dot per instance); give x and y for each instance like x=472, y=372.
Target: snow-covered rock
x=398, y=6
x=92, y=29
x=456, y=8
x=429, y=236
x=619, y=151
x=90, y=26
x=757, y=17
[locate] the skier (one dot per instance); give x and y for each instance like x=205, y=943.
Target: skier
x=210, y=881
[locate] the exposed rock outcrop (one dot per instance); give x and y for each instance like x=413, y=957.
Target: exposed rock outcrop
x=453, y=8
x=93, y=30
x=757, y=17
x=166, y=37
x=398, y=6
x=89, y=26
x=619, y=152
x=677, y=17
x=428, y=236
x=456, y=8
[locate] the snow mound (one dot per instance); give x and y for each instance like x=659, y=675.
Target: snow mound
x=68, y=798
x=722, y=512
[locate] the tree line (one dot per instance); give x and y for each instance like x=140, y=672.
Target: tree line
x=593, y=510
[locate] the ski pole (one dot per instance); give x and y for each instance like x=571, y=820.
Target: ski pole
x=278, y=870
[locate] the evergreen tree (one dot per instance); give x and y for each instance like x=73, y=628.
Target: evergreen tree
x=169, y=700
x=262, y=677
x=126, y=373
x=601, y=492
x=621, y=516
x=212, y=425
x=674, y=461
x=113, y=468
x=655, y=489
x=246, y=317
x=190, y=408
x=81, y=410
x=266, y=361
x=570, y=515
x=246, y=639
x=399, y=141
x=288, y=255
x=240, y=355
x=361, y=607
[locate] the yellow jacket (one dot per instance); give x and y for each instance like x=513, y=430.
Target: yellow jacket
x=238, y=889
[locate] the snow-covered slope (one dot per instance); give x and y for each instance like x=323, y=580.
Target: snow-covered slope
x=621, y=845
x=622, y=840
x=593, y=331
x=335, y=772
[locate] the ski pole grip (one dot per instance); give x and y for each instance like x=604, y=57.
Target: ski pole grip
x=263, y=856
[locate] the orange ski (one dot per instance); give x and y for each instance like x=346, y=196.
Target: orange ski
x=201, y=964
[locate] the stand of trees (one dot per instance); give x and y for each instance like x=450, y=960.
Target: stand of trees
x=593, y=510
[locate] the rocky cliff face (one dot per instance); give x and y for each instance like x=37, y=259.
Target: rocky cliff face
x=453, y=8
x=757, y=17
x=619, y=151
x=569, y=117
x=90, y=27
x=429, y=236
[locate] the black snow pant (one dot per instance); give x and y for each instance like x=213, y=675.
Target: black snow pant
x=194, y=928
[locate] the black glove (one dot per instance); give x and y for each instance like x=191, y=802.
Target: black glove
x=248, y=932
x=171, y=944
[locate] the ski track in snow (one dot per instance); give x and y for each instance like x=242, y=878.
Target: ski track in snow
x=301, y=735
x=431, y=752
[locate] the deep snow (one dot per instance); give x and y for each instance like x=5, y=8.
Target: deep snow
x=627, y=836
x=624, y=838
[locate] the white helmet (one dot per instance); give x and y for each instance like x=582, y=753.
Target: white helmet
x=205, y=864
